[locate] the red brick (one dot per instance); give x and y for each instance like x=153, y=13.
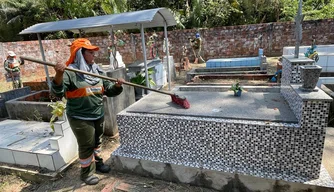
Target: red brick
x=216, y=44
x=124, y=187
x=110, y=187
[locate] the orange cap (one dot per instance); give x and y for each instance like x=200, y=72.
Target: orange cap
x=76, y=45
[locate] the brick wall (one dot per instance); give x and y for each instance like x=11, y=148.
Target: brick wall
x=54, y=50
x=231, y=41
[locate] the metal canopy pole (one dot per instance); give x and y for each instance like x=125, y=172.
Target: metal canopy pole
x=113, y=52
x=133, y=46
x=144, y=53
x=43, y=57
x=167, y=52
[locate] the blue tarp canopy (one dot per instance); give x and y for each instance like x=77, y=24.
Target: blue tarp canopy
x=130, y=20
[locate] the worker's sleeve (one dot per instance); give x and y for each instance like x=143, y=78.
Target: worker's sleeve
x=59, y=90
x=110, y=89
x=7, y=68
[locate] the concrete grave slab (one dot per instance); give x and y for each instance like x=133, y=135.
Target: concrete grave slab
x=218, y=180
x=28, y=143
x=25, y=158
x=250, y=106
x=6, y=156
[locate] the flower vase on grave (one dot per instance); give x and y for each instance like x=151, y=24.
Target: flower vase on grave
x=309, y=76
x=237, y=93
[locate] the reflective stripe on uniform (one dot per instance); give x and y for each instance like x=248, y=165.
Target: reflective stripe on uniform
x=84, y=92
x=86, y=162
x=97, y=150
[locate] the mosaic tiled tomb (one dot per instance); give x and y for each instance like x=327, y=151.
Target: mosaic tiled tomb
x=266, y=134
x=291, y=71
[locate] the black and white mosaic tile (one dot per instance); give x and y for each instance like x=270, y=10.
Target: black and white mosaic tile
x=285, y=151
x=264, y=149
x=294, y=100
x=291, y=71
x=325, y=181
x=286, y=72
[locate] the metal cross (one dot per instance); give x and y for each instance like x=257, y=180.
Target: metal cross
x=298, y=32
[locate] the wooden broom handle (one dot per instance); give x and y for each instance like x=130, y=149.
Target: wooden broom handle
x=94, y=75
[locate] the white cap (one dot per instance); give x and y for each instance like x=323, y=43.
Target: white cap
x=11, y=53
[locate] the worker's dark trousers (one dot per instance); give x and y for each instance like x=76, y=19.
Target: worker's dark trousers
x=88, y=134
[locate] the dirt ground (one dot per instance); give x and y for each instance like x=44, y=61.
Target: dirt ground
x=6, y=86
x=69, y=180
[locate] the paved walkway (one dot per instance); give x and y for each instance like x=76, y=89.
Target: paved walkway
x=328, y=155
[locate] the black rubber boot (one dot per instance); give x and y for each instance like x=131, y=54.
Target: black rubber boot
x=91, y=180
x=100, y=166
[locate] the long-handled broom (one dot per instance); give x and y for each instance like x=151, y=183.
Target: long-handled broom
x=182, y=101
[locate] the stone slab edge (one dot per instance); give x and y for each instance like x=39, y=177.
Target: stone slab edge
x=221, y=181
x=34, y=176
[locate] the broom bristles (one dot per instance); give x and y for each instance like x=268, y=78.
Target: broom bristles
x=181, y=101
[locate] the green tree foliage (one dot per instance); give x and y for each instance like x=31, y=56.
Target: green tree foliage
x=212, y=13
x=16, y=15
x=113, y=6
x=318, y=9
x=54, y=10
x=260, y=11
x=175, y=6
x=312, y=9
x=63, y=9
x=209, y=13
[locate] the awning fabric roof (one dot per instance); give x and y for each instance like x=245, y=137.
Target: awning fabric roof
x=130, y=20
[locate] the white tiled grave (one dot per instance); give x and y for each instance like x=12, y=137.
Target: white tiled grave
x=32, y=143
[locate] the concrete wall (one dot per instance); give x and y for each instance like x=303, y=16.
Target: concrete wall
x=302, y=49
x=325, y=80
x=9, y=95
x=36, y=85
x=113, y=105
x=230, y=41
x=328, y=88
x=221, y=181
x=22, y=109
x=325, y=52
x=55, y=51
